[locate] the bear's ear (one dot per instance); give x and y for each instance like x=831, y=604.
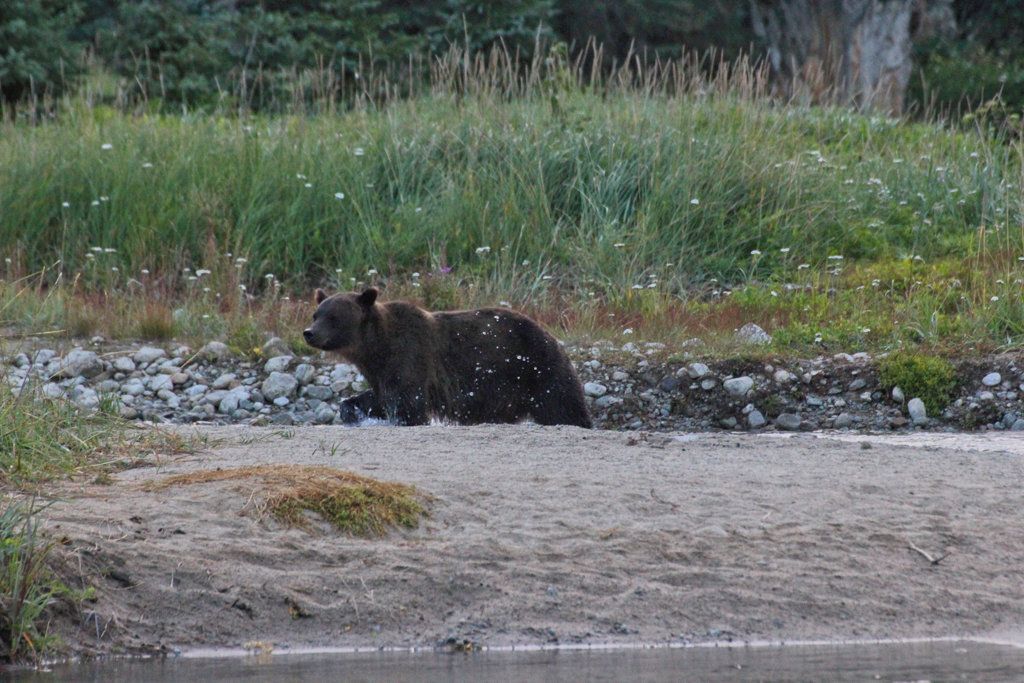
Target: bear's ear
x=368, y=296
x=319, y=295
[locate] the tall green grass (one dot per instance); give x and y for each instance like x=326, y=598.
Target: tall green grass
x=593, y=188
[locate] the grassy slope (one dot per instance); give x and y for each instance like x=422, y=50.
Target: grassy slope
x=648, y=207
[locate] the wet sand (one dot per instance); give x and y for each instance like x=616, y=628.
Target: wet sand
x=544, y=536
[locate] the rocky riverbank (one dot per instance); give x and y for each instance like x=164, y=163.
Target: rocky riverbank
x=630, y=386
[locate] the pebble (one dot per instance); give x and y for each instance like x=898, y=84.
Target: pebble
x=917, y=412
x=697, y=370
x=897, y=395
x=279, y=385
x=755, y=419
x=278, y=364
x=789, y=422
x=737, y=387
x=595, y=389
x=148, y=354
x=992, y=379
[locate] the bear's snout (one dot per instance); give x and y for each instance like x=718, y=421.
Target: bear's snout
x=307, y=334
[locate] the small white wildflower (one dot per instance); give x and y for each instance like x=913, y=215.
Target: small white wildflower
x=419, y=209
x=359, y=151
x=628, y=330
x=145, y=271
x=865, y=330
x=95, y=202
x=784, y=250
x=506, y=304
x=201, y=272
x=300, y=176
x=339, y=195
x=416, y=274
x=755, y=252
x=98, y=250
x=835, y=257
x=205, y=316
x=269, y=276
x=371, y=271
x=803, y=266
x=994, y=299
x=192, y=278
x=66, y=205
x=638, y=286
x=241, y=259
x=974, y=155
x=104, y=198
x=526, y=262
x=483, y=250
x=695, y=201
x=109, y=250
x=774, y=293
x=90, y=256
x=619, y=245
x=241, y=287
x=113, y=269
x=206, y=290
x=106, y=145
x=146, y=164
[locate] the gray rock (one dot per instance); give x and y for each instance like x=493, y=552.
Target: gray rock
x=737, y=387
x=1017, y=426
x=708, y=384
x=304, y=373
x=789, y=422
x=278, y=364
x=279, y=385
x=857, y=384
x=620, y=376
x=80, y=363
x=215, y=351
x=843, y=420
x=195, y=390
x=281, y=401
x=783, y=376
x=224, y=381
x=180, y=378
x=917, y=412
x=752, y=334
x=320, y=393
x=275, y=346
x=755, y=420
x=986, y=396
x=343, y=371
x=124, y=364
x=148, y=354
x=897, y=395
x=697, y=370
x=43, y=356
x=814, y=402
x=992, y=379
x=52, y=390
x=607, y=401
x=595, y=389
x=668, y=384
x=324, y=414
x=158, y=382
x=134, y=387
x=215, y=397
x=85, y=397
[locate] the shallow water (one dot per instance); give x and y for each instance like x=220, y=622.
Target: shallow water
x=926, y=661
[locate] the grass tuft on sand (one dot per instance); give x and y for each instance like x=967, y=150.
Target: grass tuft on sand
x=352, y=503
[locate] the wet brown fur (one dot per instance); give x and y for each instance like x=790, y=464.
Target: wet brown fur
x=468, y=367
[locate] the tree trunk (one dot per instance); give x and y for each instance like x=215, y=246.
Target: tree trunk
x=854, y=52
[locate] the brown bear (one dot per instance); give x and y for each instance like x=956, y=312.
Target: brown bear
x=468, y=367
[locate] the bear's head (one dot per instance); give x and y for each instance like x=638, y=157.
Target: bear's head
x=338, y=319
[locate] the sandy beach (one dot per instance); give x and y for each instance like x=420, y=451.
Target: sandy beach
x=547, y=536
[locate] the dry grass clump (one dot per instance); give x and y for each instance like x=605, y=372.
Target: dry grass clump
x=355, y=504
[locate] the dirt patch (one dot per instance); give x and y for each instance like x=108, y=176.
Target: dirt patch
x=560, y=535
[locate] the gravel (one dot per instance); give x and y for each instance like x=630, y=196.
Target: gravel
x=628, y=386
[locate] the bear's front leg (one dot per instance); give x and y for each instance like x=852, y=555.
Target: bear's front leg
x=360, y=407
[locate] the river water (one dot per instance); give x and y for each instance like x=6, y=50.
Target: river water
x=944, y=660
